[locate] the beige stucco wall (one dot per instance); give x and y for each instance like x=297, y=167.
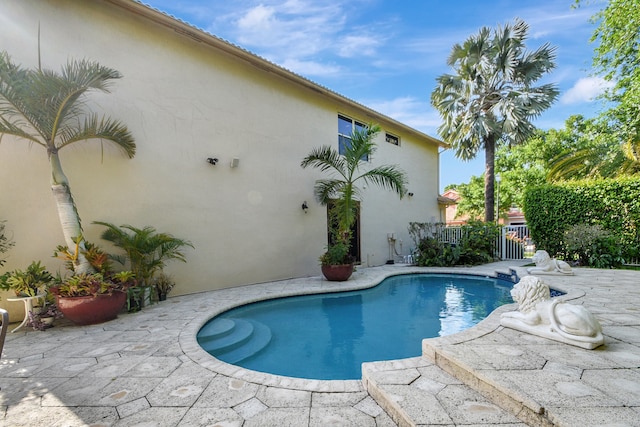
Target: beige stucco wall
x=184, y=102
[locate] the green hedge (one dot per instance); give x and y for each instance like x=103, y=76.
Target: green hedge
x=552, y=210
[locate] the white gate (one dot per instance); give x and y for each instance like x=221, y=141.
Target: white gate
x=513, y=243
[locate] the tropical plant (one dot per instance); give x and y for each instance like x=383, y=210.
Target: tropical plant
x=163, y=283
x=48, y=109
x=341, y=189
x=32, y=281
x=146, y=250
x=6, y=242
x=91, y=284
x=492, y=99
x=617, y=42
x=593, y=246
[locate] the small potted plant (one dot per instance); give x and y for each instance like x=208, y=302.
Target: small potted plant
x=163, y=284
x=43, y=319
x=336, y=263
x=32, y=281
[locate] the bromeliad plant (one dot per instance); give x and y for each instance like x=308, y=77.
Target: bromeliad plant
x=341, y=189
x=103, y=281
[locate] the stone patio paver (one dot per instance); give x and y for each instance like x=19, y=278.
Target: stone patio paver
x=146, y=369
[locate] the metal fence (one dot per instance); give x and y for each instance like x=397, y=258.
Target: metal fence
x=513, y=243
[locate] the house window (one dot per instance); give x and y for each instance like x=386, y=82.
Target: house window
x=346, y=127
x=392, y=139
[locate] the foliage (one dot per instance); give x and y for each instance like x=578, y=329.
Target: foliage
x=341, y=187
x=593, y=246
x=476, y=246
x=551, y=210
x=146, y=250
x=94, y=254
x=36, y=317
x=336, y=254
x=6, y=242
x=434, y=253
x=34, y=280
x=537, y=162
x=492, y=99
x=91, y=284
x=421, y=230
x=49, y=109
x=616, y=59
x=163, y=283
x=597, y=154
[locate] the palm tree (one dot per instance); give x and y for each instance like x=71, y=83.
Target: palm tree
x=491, y=98
x=48, y=109
x=607, y=160
x=341, y=188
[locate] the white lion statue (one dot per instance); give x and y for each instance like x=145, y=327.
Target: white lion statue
x=545, y=264
x=539, y=315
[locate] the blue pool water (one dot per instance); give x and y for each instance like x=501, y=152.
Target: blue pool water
x=328, y=336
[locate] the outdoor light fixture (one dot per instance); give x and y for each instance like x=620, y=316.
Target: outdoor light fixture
x=212, y=160
x=305, y=207
x=410, y=194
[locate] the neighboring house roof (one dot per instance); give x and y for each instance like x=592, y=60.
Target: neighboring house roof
x=443, y=200
x=202, y=36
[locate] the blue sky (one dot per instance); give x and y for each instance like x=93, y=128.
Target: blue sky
x=386, y=54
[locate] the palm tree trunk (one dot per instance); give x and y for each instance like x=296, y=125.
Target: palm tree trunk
x=69, y=219
x=489, y=178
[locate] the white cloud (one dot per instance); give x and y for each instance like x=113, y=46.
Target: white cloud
x=585, y=89
x=358, y=45
x=258, y=18
x=409, y=110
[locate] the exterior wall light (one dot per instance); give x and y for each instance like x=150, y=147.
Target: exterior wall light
x=212, y=160
x=410, y=194
x=305, y=207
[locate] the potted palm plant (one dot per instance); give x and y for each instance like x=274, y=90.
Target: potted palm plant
x=341, y=190
x=146, y=251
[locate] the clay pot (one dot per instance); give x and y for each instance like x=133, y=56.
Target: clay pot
x=90, y=310
x=337, y=273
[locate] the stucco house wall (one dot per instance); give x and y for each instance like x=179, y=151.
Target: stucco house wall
x=187, y=96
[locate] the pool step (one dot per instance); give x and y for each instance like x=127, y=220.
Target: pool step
x=234, y=340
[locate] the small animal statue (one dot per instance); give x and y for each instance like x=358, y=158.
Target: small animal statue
x=545, y=264
x=539, y=315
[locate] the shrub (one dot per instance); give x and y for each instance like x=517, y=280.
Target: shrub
x=593, y=246
x=551, y=210
x=476, y=246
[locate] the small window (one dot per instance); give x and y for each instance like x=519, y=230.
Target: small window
x=392, y=139
x=346, y=127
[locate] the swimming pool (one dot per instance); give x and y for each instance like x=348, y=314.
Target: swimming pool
x=328, y=336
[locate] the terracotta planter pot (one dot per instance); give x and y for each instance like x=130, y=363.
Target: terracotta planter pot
x=92, y=309
x=337, y=273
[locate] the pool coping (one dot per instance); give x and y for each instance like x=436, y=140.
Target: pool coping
x=362, y=279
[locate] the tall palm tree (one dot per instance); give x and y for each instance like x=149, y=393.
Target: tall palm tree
x=48, y=109
x=491, y=98
x=345, y=170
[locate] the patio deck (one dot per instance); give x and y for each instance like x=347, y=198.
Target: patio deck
x=146, y=369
